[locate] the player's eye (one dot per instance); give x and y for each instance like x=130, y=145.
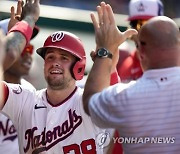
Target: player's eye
x=49, y=57
x=65, y=58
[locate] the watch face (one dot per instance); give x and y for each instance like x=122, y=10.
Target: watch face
x=102, y=52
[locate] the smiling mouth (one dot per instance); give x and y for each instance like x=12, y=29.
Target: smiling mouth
x=58, y=72
x=26, y=65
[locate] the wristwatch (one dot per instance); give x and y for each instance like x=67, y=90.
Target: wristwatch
x=104, y=53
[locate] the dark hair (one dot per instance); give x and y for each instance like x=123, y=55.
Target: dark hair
x=133, y=23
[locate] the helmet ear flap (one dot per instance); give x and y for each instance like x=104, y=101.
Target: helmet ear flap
x=79, y=69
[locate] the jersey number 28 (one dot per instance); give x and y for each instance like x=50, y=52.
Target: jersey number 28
x=86, y=146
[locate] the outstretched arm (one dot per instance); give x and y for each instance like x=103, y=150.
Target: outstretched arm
x=107, y=36
x=13, y=44
x=16, y=39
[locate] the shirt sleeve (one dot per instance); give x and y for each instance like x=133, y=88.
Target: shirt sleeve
x=107, y=108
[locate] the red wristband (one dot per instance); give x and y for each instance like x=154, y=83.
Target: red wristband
x=24, y=28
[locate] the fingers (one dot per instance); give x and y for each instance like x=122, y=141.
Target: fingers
x=12, y=12
x=22, y=3
x=105, y=16
x=128, y=33
x=36, y=1
x=110, y=14
x=95, y=24
x=19, y=8
x=28, y=1
x=31, y=1
x=100, y=15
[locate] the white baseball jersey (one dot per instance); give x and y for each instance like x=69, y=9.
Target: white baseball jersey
x=146, y=112
x=8, y=135
x=44, y=128
x=27, y=84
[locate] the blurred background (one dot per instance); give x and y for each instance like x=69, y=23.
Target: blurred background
x=119, y=6
x=74, y=16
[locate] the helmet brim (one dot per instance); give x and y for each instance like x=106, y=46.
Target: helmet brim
x=42, y=51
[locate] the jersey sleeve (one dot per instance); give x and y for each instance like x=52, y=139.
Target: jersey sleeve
x=16, y=100
x=114, y=78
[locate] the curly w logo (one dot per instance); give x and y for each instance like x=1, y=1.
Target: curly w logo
x=57, y=36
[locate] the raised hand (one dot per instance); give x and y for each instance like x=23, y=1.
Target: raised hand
x=15, y=17
x=20, y=34
x=31, y=9
x=106, y=31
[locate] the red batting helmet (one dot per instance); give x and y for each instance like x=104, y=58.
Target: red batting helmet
x=70, y=43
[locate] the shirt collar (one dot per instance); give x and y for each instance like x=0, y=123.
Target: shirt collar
x=164, y=72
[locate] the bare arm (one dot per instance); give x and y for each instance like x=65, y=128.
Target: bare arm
x=109, y=37
x=13, y=44
x=16, y=41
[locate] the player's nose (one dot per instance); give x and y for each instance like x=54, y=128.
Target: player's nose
x=55, y=64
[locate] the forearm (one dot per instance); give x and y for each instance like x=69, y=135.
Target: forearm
x=16, y=41
x=30, y=20
x=98, y=79
x=109, y=37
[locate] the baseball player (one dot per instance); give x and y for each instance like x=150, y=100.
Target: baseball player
x=14, y=44
x=53, y=120
x=146, y=111
x=14, y=74
x=20, y=34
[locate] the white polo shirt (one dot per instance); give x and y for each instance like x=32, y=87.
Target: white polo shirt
x=146, y=112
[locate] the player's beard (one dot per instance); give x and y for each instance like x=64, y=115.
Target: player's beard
x=59, y=83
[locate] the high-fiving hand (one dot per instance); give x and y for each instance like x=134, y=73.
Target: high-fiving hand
x=31, y=8
x=28, y=9
x=107, y=33
x=15, y=17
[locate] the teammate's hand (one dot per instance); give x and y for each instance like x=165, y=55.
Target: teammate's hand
x=15, y=17
x=31, y=8
x=106, y=31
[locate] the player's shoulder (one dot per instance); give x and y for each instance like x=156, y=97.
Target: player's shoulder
x=17, y=87
x=19, y=90
x=27, y=84
x=79, y=92
x=41, y=93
